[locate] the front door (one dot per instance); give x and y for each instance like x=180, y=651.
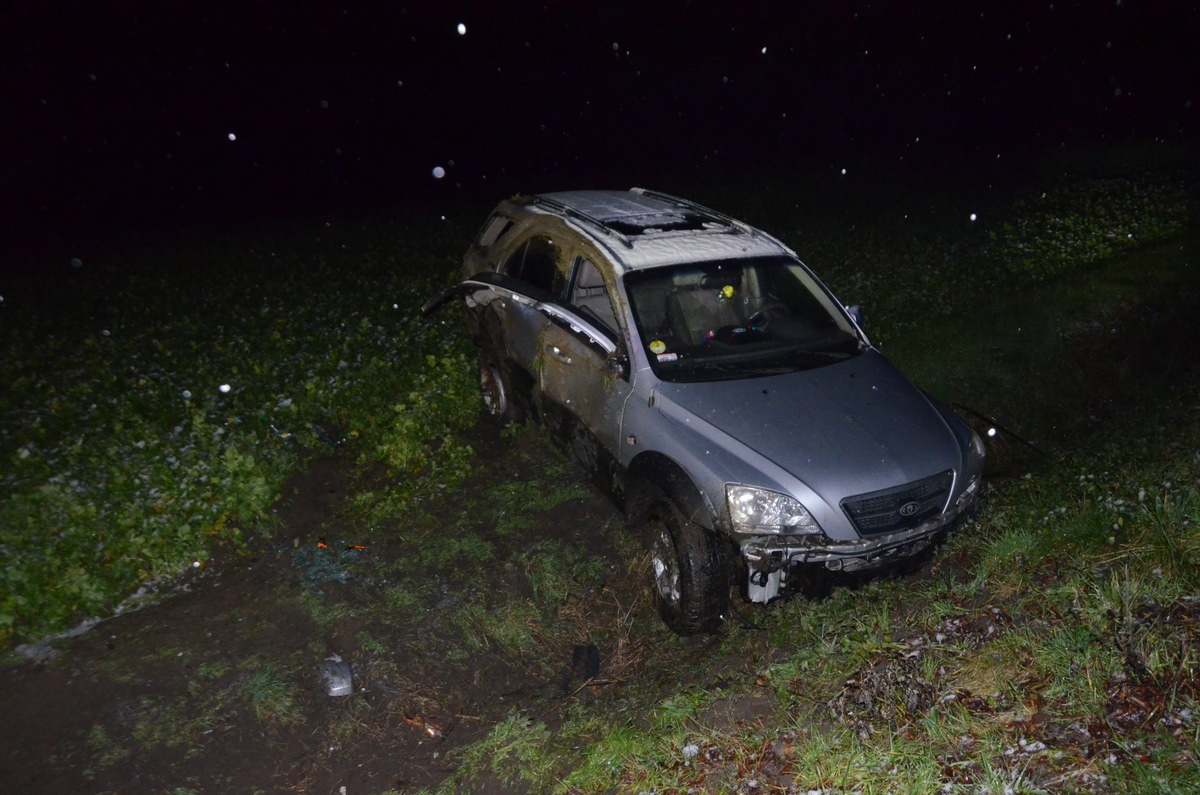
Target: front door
x=583, y=389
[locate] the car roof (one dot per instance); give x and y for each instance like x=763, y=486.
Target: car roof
x=644, y=229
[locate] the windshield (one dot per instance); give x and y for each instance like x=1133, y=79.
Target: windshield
x=737, y=319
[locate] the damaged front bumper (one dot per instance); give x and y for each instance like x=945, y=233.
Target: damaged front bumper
x=771, y=558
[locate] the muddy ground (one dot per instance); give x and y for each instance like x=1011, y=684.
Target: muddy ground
x=163, y=699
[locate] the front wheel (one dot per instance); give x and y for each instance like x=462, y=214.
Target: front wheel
x=689, y=570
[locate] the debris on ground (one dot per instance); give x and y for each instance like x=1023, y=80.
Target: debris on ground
x=326, y=562
x=336, y=674
x=887, y=693
x=585, y=666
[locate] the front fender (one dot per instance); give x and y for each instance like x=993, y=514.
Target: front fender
x=655, y=468
x=716, y=458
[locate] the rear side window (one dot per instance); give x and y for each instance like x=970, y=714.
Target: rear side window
x=493, y=230
x=539, y=263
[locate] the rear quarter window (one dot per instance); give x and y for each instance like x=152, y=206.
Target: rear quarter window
x=493, y=230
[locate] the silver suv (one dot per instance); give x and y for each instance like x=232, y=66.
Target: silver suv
x=715, y=387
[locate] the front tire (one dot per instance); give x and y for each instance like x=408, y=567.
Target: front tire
x=688, y=568
x=495, y=388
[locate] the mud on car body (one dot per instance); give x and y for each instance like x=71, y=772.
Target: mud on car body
x=715, y=387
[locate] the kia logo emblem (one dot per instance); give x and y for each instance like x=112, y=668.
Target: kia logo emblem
x=909, y=508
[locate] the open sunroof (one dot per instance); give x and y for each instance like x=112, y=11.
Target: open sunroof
x=649, y=223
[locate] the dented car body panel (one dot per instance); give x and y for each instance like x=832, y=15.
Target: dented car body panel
x=672, y=348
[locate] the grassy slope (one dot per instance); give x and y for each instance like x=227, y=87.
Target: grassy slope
x=1055, y=646
x=1052, y=647
x=152, y=402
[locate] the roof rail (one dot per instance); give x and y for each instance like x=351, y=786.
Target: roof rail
x=571, y=212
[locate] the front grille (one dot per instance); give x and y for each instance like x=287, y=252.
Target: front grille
x=900, y=507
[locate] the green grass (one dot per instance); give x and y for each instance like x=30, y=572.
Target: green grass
x=1083, y=222
x=182, y=723
x=270, y=696
x=1017, y=661
x=106, y=754
x=1031, y=626
x=144, y=419
x=514, y=752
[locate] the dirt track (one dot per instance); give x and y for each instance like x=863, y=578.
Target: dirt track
x=167, y=697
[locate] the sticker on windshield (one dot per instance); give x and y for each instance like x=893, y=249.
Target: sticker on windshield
x=658, y=346
x=668, y=357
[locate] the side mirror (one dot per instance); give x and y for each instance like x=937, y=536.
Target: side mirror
x=617, y=365
x=856, y=314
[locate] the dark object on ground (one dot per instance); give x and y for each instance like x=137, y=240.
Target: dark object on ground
x=585, y=666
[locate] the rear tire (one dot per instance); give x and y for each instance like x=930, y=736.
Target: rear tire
x=499, y=403
x=688, y=569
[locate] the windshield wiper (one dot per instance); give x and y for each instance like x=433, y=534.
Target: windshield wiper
x=698, y=369
x=743, y=366
x=839, y=355
x=701, y=370
x=839, y=350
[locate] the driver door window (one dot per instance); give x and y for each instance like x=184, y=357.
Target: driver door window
x=540, y=264
x=589, y=295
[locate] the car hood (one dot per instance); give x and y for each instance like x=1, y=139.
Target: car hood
x=843, y=429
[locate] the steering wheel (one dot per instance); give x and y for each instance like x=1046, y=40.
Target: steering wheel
x=771, y=310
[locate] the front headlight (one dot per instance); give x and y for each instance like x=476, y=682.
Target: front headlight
x=754, y=510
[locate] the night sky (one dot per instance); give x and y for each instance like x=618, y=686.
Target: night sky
x=127, y=116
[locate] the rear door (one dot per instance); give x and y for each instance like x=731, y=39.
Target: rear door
x=548, y=312
x=583, y=380
x=536, y=273
x=503, y=304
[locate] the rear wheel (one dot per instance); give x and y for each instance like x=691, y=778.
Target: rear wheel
x=496, y=391
x=689, y=570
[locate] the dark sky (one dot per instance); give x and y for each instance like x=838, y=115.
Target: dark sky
x=129, y=115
